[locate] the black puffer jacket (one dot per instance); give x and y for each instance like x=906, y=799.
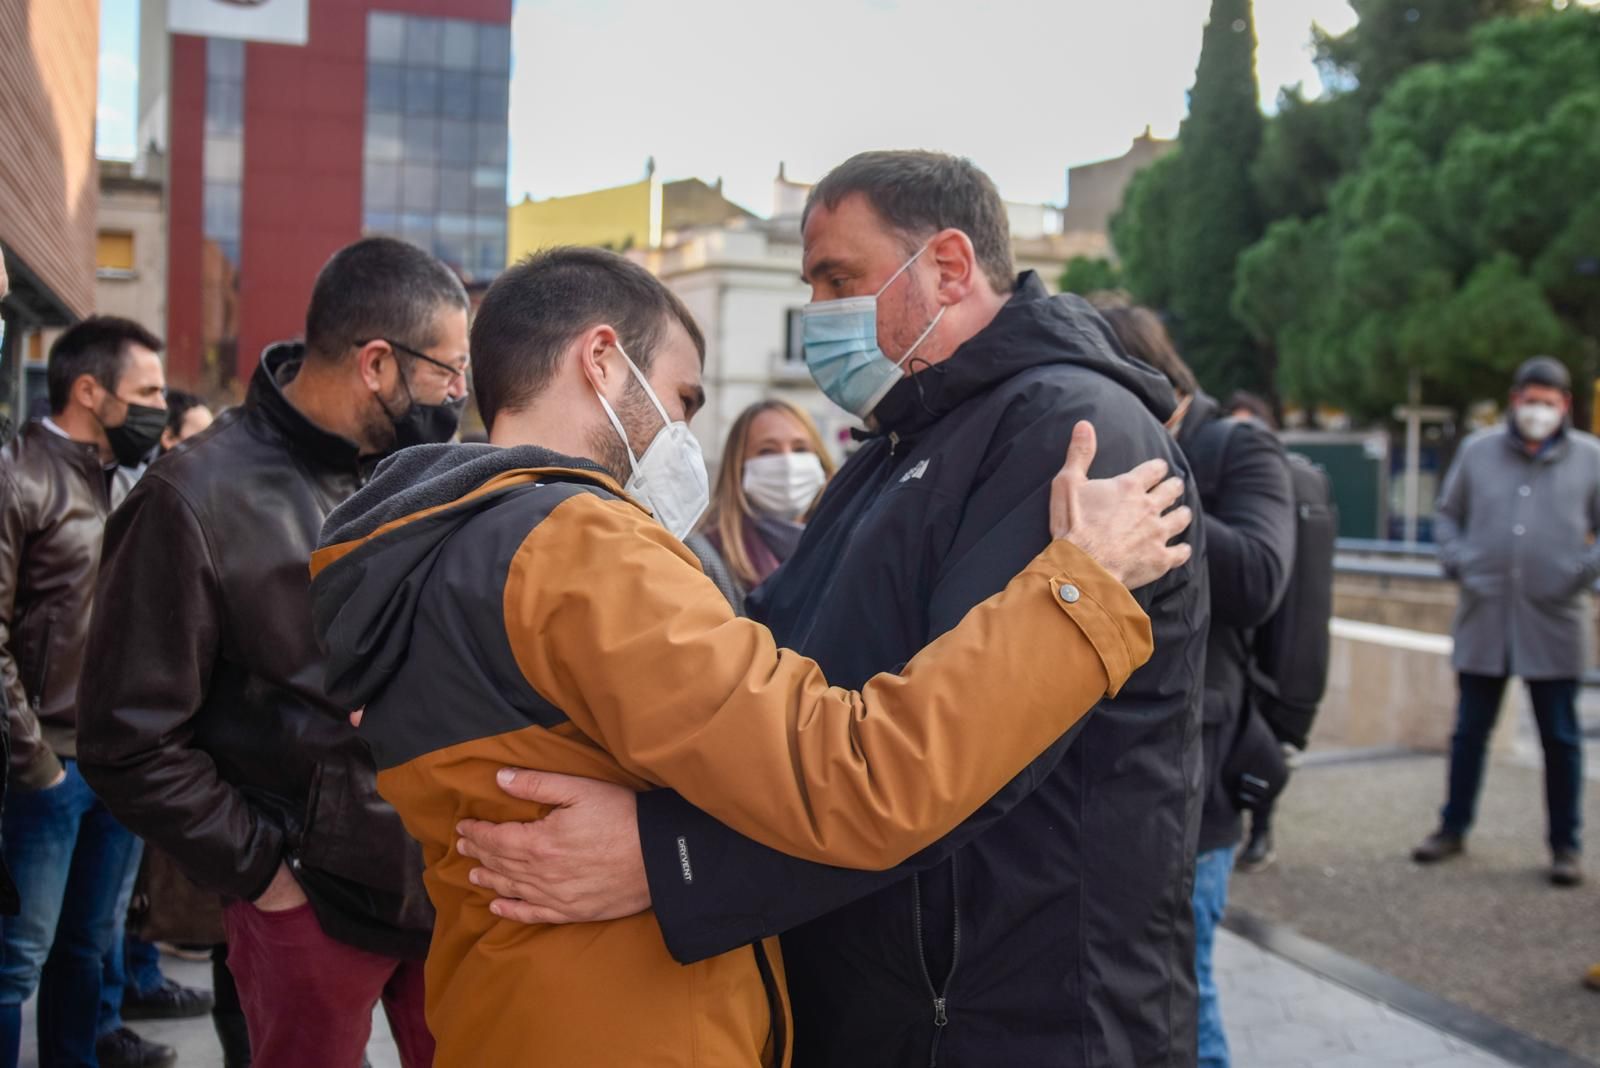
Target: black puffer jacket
x=1243, y=479
x=205, y=725
x=1053, y=928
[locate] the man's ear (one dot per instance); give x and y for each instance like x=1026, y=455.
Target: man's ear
x=600, y=359
x=87, y=392
x=957, y=263
x=373, y=361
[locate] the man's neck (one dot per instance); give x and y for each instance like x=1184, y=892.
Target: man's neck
x=323, y=395
x=961, y=324
x=548, y=424
x=81, y=426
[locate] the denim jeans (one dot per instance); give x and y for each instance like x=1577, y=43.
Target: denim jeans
x=1211, y=871
x=1555, y=707
x=69, y=858
x=128, y=962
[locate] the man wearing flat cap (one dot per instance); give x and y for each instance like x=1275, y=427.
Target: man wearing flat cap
x=1516, y=525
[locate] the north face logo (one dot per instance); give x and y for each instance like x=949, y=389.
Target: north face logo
x=916, y=472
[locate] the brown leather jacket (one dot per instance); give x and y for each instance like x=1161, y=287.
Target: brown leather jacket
x=206, y=729
x=54, y=497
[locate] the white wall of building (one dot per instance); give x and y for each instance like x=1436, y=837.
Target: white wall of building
x=741, y=286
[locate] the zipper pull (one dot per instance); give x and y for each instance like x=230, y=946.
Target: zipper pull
x=939, y=1017
x=894, y=441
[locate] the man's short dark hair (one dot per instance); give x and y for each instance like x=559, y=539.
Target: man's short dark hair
x=179, y=405
x=379, y=287
x=533, y=311
x=97, y=346
x=1543, y=371
x=921, y=193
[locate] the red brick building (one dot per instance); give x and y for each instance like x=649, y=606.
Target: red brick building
x=48, y=181
x=391, y=119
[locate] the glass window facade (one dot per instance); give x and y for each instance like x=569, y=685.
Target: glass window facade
x=435, y=159
x=222, y=168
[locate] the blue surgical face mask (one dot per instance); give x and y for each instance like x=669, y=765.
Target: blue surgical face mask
x=840, y=339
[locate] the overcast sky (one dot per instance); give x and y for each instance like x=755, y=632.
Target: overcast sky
x=728, y=88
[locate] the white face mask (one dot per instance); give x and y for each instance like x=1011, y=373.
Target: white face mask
x=670, y=478
x=783, y=484
x=1536, y=421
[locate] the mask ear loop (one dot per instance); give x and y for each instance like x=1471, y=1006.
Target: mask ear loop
x=616, y=423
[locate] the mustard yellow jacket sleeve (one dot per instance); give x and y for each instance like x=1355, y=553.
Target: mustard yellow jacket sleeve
x=611, y=619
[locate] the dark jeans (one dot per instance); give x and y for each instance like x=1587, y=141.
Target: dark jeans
x=116, y=974
x=69, y=857
x=1555, y=706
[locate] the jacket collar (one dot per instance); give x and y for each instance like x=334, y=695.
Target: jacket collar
x=80, y=454
x=1032, y=329
x=280, y=362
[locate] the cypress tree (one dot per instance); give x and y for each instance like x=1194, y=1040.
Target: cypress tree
x=1217, y=217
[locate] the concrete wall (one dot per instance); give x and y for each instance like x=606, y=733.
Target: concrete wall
x=1390, y=687
x=1095, y=190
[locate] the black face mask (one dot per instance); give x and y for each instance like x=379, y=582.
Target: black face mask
x=424, y=424
x=137, y=437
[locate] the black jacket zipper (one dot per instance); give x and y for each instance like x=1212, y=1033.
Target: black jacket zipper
x=941, y=1017
x=780, y=1031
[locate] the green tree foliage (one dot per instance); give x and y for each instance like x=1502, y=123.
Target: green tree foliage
x=1466, y=239
x=1309, y=144
x=1142, y=230
x=1393, y=36
x=1218, y=217
x=1306, y=147
x=1084, y=275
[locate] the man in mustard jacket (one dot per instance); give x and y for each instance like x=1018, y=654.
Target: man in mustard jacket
x=529, y=603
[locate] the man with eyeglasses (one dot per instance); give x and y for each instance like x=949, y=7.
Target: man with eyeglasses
x=207, y=729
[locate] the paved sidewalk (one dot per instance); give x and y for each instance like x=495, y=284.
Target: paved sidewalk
x=1278, y=1014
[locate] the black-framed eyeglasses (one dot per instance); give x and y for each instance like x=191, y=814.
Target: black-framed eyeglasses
x=464, y=372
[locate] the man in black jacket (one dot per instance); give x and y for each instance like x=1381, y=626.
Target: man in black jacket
x=1053, y=927
x=1242, y=476
x=207, y=729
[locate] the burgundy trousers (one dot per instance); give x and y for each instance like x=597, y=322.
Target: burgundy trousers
x=309, y=999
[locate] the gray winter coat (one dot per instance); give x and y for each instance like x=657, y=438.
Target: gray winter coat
x=1518, y=533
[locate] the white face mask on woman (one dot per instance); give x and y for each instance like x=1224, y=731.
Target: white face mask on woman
x=783, y=484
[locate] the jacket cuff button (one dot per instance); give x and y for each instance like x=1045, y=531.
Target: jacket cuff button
x=1069, y=593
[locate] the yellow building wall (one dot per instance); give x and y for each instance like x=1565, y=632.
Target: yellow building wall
x=628, y=216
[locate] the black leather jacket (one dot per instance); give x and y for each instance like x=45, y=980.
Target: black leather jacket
x=204, y=724
x=54, y=497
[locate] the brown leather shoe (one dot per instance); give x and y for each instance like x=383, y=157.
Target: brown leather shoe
x=1591, y=978
x=1440, y=845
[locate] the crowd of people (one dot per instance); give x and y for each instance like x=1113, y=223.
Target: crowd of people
x=565, y=755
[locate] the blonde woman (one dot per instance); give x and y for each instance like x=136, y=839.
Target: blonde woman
x=774, y=467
